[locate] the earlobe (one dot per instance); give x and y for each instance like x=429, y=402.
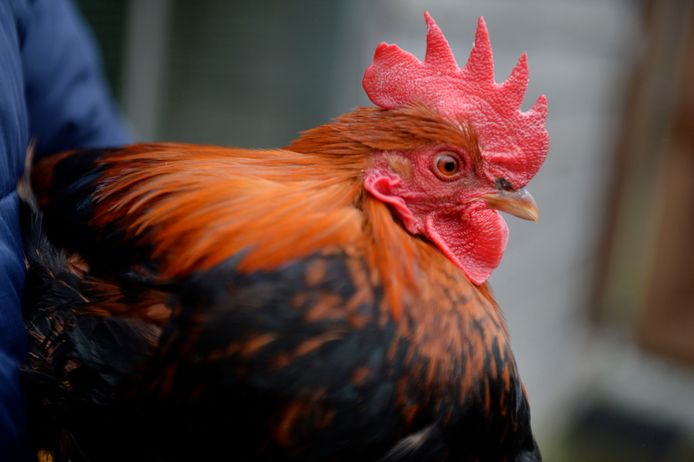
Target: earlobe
x=383, y=186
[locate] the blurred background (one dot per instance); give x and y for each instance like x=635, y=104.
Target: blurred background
x=599, y=295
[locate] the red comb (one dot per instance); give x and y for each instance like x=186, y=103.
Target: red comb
x=514, y=143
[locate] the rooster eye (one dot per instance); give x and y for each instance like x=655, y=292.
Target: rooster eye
x=446, y=165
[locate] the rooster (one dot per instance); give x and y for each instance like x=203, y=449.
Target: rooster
x=323, y=301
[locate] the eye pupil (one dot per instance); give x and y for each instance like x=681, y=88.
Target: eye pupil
x=449, y=166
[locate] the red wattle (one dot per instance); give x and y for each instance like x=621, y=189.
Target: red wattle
x=474, y=240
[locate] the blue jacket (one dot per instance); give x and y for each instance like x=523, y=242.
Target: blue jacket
x=51, y=90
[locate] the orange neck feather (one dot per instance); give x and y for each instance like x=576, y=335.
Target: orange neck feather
x=196, y=206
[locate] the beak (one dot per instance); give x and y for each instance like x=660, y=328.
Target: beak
x=518, y=203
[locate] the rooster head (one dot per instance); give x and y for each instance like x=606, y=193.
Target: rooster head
x=481, y=148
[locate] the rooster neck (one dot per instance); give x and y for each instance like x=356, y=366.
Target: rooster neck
x=449, y=332
x=411, y=269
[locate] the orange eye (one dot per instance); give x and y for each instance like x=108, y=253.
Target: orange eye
x=447, y=165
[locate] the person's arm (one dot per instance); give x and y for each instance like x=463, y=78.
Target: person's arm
x=51, y=91
x=67, y=100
